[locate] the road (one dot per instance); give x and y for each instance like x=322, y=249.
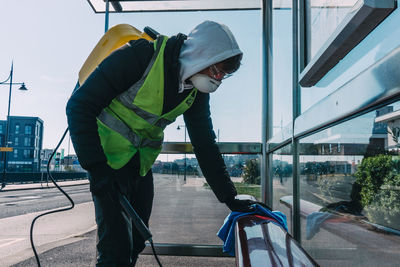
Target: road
x=13, y=203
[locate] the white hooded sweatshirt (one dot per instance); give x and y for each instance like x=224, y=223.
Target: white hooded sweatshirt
x=208, y=43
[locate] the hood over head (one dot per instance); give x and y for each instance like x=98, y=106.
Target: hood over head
x=208, y=43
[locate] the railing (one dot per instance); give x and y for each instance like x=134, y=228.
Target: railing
x=225, y=148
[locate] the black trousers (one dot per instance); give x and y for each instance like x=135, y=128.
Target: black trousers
x=119, y=243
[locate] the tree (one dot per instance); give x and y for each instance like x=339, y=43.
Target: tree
x=251, y=172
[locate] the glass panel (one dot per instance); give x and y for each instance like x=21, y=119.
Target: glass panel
x=236, y=105
x=323, y=17
x=282, y=175
x=278, y=138
x=191, y=204
x=349, y=187
x=282, y=67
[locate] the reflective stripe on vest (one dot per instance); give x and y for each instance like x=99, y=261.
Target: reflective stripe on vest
x=127, y=97
x=125, y=131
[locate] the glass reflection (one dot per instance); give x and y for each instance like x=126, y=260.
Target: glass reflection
x=250, y=181
x=282, y=175
x=350, y=191
x=187, y=212
x=323, y=17
x=282, y=66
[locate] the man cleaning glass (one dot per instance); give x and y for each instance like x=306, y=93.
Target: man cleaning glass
x=117, y=117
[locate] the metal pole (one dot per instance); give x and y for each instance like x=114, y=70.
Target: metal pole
x=3, y=184
x=107, y=14
x=296, y=112
x=184, y=172
x=266, y=181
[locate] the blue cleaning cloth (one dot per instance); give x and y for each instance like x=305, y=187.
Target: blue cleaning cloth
x=227, y=231
x=314, y=221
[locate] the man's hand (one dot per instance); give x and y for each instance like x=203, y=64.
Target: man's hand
x=240, y=205
x=243, y=205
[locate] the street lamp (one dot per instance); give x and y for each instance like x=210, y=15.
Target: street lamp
x=184, y=171
x=22, y=88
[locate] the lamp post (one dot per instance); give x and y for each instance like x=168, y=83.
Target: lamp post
x=5, y=151
x=184, y=171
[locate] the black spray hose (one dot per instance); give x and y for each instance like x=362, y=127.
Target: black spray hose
x=138, y=223
x=142, y=229
x=154, y=253
x=53, y=211
x=56, y=185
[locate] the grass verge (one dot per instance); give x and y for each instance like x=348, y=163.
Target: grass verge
x=245, y=189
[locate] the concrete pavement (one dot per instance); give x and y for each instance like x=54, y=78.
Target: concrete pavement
x=50, y=231
x=82, y=253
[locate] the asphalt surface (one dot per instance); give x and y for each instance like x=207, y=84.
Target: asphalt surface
x=18, y=202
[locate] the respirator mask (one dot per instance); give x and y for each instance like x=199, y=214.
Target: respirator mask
x=204, y=83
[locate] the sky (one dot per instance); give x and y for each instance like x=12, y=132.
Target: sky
x=48, y=41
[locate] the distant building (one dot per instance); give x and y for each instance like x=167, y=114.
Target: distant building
x=26, y=138
x=392, y=122
x=45, y=155
x=71, y=163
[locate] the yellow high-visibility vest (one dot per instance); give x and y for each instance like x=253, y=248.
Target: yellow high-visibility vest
x=134, y=123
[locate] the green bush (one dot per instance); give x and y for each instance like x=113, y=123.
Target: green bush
x=371, y=174
x=379, y=179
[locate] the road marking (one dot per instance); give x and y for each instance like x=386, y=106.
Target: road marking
x=17, y=202
x=30, y=197
x=12, y=241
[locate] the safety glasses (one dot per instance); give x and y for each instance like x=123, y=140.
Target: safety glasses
x=219, y=74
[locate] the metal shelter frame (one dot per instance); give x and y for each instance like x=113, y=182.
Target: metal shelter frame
x=110, y=6
x=303, y=123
